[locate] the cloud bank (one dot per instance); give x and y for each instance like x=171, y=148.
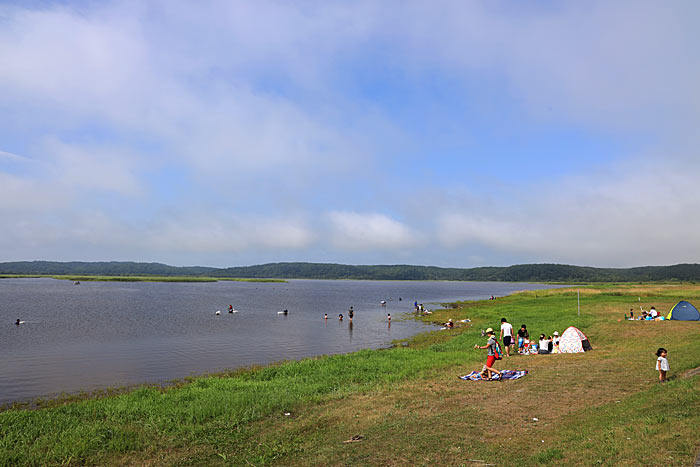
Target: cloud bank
x=456, y=134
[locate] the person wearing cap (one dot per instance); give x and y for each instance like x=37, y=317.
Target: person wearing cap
x=491, y=353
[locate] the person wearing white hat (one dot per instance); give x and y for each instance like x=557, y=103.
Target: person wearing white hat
x=491, y=353
x=555, y=342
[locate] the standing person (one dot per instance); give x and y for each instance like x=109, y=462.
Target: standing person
x=522, y=335
x=351, y=313
x=662, y=364
x=325, y=316
x=506, y=335
x=490, y=354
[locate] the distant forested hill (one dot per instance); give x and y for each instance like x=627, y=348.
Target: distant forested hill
x=518, y=273
x=521, y=272
x=112, y=268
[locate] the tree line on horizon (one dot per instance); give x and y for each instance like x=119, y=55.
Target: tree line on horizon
x=301, y=270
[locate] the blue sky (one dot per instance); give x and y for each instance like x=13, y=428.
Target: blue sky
x=440, y=133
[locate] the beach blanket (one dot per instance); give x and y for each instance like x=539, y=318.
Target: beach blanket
x=505, y=374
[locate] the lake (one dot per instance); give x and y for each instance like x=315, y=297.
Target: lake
x=104, y=334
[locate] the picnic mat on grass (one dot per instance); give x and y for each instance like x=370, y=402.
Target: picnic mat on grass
x=505, y=374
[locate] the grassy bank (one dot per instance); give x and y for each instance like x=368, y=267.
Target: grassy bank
x=140, y=278
x=599, y=408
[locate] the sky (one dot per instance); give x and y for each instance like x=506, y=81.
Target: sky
x=446, y=133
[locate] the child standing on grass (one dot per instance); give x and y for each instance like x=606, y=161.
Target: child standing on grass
x=662, y=364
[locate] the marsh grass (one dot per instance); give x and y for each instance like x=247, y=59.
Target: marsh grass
x=407, y=402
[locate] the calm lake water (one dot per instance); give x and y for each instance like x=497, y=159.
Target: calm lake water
x=101, y=334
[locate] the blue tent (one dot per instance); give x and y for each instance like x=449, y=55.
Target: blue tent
x=684, y=311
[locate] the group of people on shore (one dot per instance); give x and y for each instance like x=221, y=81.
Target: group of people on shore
x=420, y=309
x=651, y=315
x=546, y=345
x=527, y=346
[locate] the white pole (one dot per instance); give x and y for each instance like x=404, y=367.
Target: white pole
x=578, y=301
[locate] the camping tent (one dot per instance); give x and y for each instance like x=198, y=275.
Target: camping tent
x=684, y=311
x=573, y=341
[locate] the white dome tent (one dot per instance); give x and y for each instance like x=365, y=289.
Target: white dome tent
x=574, y=341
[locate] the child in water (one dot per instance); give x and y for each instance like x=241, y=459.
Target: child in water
x=340, y=317
x=662, y=364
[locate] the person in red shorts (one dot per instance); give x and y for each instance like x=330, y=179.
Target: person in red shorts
x=490, y=354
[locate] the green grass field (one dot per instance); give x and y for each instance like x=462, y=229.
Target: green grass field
x=599, y=408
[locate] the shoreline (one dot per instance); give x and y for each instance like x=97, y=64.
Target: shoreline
x=79, y=394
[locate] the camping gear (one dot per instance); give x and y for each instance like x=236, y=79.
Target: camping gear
x=573, y=341
x=505, y=374
x=684, y=311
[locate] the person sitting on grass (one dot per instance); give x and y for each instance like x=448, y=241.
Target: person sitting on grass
x=490, y=354
x=544, y=345
x=523, y=335
x=526, y=347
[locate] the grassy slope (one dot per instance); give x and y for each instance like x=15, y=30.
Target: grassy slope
x=602, y=407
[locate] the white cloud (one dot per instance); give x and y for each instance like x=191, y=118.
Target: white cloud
x=13, y=157
x=200, y=233
x=85, y=168
x=626, y=217
x=252, y=103
x=363, y=231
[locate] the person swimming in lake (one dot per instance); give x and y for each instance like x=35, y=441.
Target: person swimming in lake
x=285, y=312
x=351, y=313
x=340, y=317
x=230, y=308
x=18, y=322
